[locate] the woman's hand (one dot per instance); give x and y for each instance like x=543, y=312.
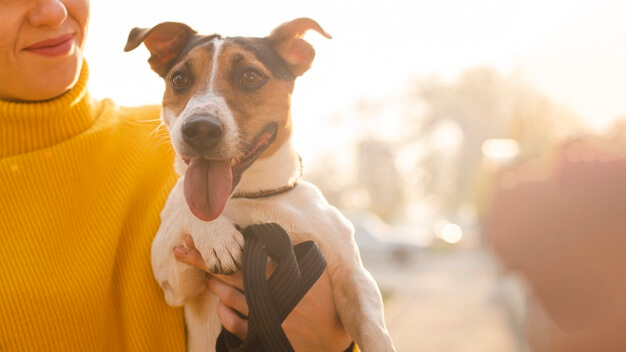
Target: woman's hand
x=313, y=325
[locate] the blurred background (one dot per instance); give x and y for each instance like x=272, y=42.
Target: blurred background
x=414, y=118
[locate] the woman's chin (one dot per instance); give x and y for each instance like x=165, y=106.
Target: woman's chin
x=53, y=82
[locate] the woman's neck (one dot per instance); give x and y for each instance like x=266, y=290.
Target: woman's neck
x=30, y=126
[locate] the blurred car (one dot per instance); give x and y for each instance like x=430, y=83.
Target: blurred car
x=378, y=244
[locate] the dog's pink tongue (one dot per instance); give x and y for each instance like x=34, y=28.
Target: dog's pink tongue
x=208, y=184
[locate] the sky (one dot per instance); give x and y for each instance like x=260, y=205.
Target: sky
x=572, y=51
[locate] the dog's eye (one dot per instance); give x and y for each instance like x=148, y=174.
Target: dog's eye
x=251, y=78
x=179, y=80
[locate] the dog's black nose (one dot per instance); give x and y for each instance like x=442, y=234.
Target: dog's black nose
x=202, y=131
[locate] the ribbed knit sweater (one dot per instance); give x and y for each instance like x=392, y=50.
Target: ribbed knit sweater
x=82, y=183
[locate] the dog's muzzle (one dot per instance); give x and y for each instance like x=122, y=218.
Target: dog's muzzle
x=202, y=132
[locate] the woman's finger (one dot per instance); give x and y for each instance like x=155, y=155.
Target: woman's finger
x=190, y=255
x=229, y=295
x=231, y=321
x=234, y=280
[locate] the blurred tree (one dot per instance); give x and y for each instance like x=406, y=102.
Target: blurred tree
x=482, y=104
x=425, y=143
x=379, y=177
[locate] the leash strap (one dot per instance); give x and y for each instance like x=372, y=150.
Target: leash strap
x=270, y=301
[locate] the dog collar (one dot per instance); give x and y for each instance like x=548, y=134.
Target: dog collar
x=272, y=192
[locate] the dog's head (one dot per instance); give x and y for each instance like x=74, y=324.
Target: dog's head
x=226, y=101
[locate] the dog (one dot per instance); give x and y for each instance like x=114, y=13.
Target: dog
x=227, y=108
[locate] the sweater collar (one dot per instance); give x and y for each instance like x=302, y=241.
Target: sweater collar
x=26, y=127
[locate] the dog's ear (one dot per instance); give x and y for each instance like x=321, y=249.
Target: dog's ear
x=165, y=41
x=287, y=39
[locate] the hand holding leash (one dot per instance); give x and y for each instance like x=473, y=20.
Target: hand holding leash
x=312, y=325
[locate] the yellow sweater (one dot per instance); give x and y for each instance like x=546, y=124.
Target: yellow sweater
x=81, y=187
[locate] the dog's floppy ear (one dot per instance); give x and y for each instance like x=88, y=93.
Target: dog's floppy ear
x=165, y=41
x=287, y=39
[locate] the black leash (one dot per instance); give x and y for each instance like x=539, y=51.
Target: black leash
x=270, y=301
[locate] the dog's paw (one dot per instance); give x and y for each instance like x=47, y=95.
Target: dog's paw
x=221, y=250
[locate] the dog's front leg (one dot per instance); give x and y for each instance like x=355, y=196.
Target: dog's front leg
x=179, y=281
x=219, y=242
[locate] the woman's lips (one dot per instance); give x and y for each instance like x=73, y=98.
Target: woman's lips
x=53, y=47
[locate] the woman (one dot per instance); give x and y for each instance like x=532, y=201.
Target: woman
x=82, y=183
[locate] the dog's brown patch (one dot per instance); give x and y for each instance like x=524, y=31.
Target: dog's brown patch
x=254, y=109
x=196, y=66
